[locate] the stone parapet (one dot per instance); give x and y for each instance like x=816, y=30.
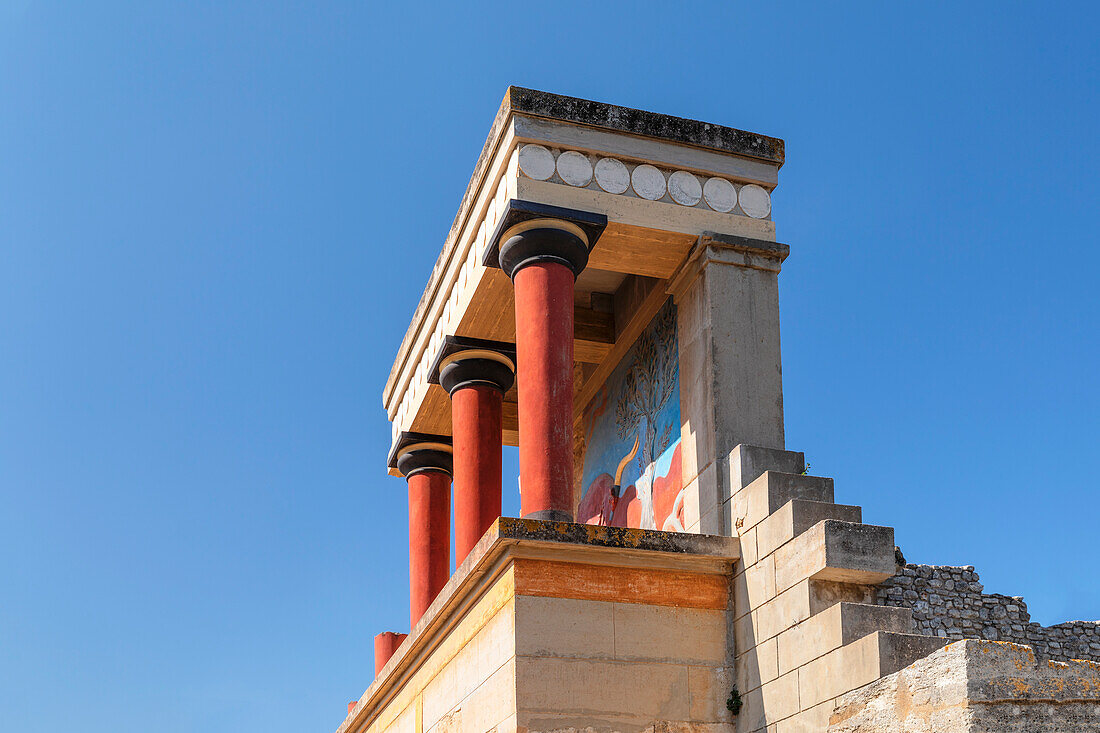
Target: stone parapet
x=546, y=624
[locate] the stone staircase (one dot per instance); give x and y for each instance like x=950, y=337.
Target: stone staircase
x=806, y=628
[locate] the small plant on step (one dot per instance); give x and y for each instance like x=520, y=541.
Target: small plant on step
x=806, y=470
x=734, y=703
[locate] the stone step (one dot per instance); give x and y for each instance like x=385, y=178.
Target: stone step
x=860, y=663
x=770, y=491
x=747, y=462
x=835, y=627
x=836, y=551
x=797, y=516
x=793, y=606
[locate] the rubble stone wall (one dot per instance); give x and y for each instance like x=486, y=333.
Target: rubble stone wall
x=949, y=602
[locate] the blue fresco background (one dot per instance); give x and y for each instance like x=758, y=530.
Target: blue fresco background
x=605, y=448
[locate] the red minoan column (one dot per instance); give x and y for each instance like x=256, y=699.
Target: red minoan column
x=476, y=374
x=543, y=256
x=544, y=345
x=425, y=462
x=385, y=644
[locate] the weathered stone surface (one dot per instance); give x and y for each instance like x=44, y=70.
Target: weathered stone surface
x=837, y=551
x=976, y=686
x=767, y=493
x=639, y=122
x=834, y=627
x=797, y=516
x=860, y=663
x=748, y=462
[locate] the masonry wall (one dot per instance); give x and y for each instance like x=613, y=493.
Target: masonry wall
x=949, y=602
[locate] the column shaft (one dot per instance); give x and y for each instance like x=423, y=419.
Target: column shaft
x=429, y=539
x=544, y=347
x=476, y=420
x=385, y=644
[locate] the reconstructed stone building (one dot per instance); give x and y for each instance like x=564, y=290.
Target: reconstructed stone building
x=608, y=300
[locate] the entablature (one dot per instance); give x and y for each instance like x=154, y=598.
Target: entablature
x=660, y=181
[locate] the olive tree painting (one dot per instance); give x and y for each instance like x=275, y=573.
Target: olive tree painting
x=632, y=474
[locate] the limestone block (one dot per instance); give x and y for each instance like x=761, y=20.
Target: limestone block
x=405, y=722
x=757, y=666
x=709, y=688
x=748, y=462
x=584, y=687
x=797, y=516
x=752, y=717
x=771, y=490
x=837, y=551
x=440, y=695
x=749, y=553
x=779, y=614
x=494, y=643
x=489, y=704
x=744, y=633
x=860, y=663
x=813, y=720
x=669, y=634
x=780, y=697
x=760, y=583
x=834, y=627
x=564, y=627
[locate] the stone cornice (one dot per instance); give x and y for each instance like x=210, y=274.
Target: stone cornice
x=646, y=124
x=724, y=249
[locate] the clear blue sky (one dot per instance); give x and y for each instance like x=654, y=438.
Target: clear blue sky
x=216, y=219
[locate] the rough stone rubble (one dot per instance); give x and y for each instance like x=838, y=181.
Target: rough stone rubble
x=948, y=601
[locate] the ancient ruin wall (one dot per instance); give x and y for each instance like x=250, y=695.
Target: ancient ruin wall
x=948, y=602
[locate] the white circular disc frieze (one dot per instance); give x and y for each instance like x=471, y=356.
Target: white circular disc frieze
x=536, y=162
x=648, y=182
x=574, y=168
x=755, y=201
x=720, y=194
x=684, y=188
x=612, y=176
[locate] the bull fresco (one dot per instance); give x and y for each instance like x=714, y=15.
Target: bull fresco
x=632, y=475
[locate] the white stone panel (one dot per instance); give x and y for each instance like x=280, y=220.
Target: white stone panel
x=612, y=176
x=720, y=194
x=755, y=201
x=536, y=161
x=574, y=168
x=684, y=188
x=648, y=182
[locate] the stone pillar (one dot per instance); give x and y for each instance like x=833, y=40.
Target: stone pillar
x=476, y=374
x=543, y=249
x=426, y=463
x=731, y=393
x=385, y=644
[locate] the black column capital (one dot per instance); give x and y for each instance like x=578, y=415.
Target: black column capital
x=415, y=453
x=529, y=233
x=465, y=362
